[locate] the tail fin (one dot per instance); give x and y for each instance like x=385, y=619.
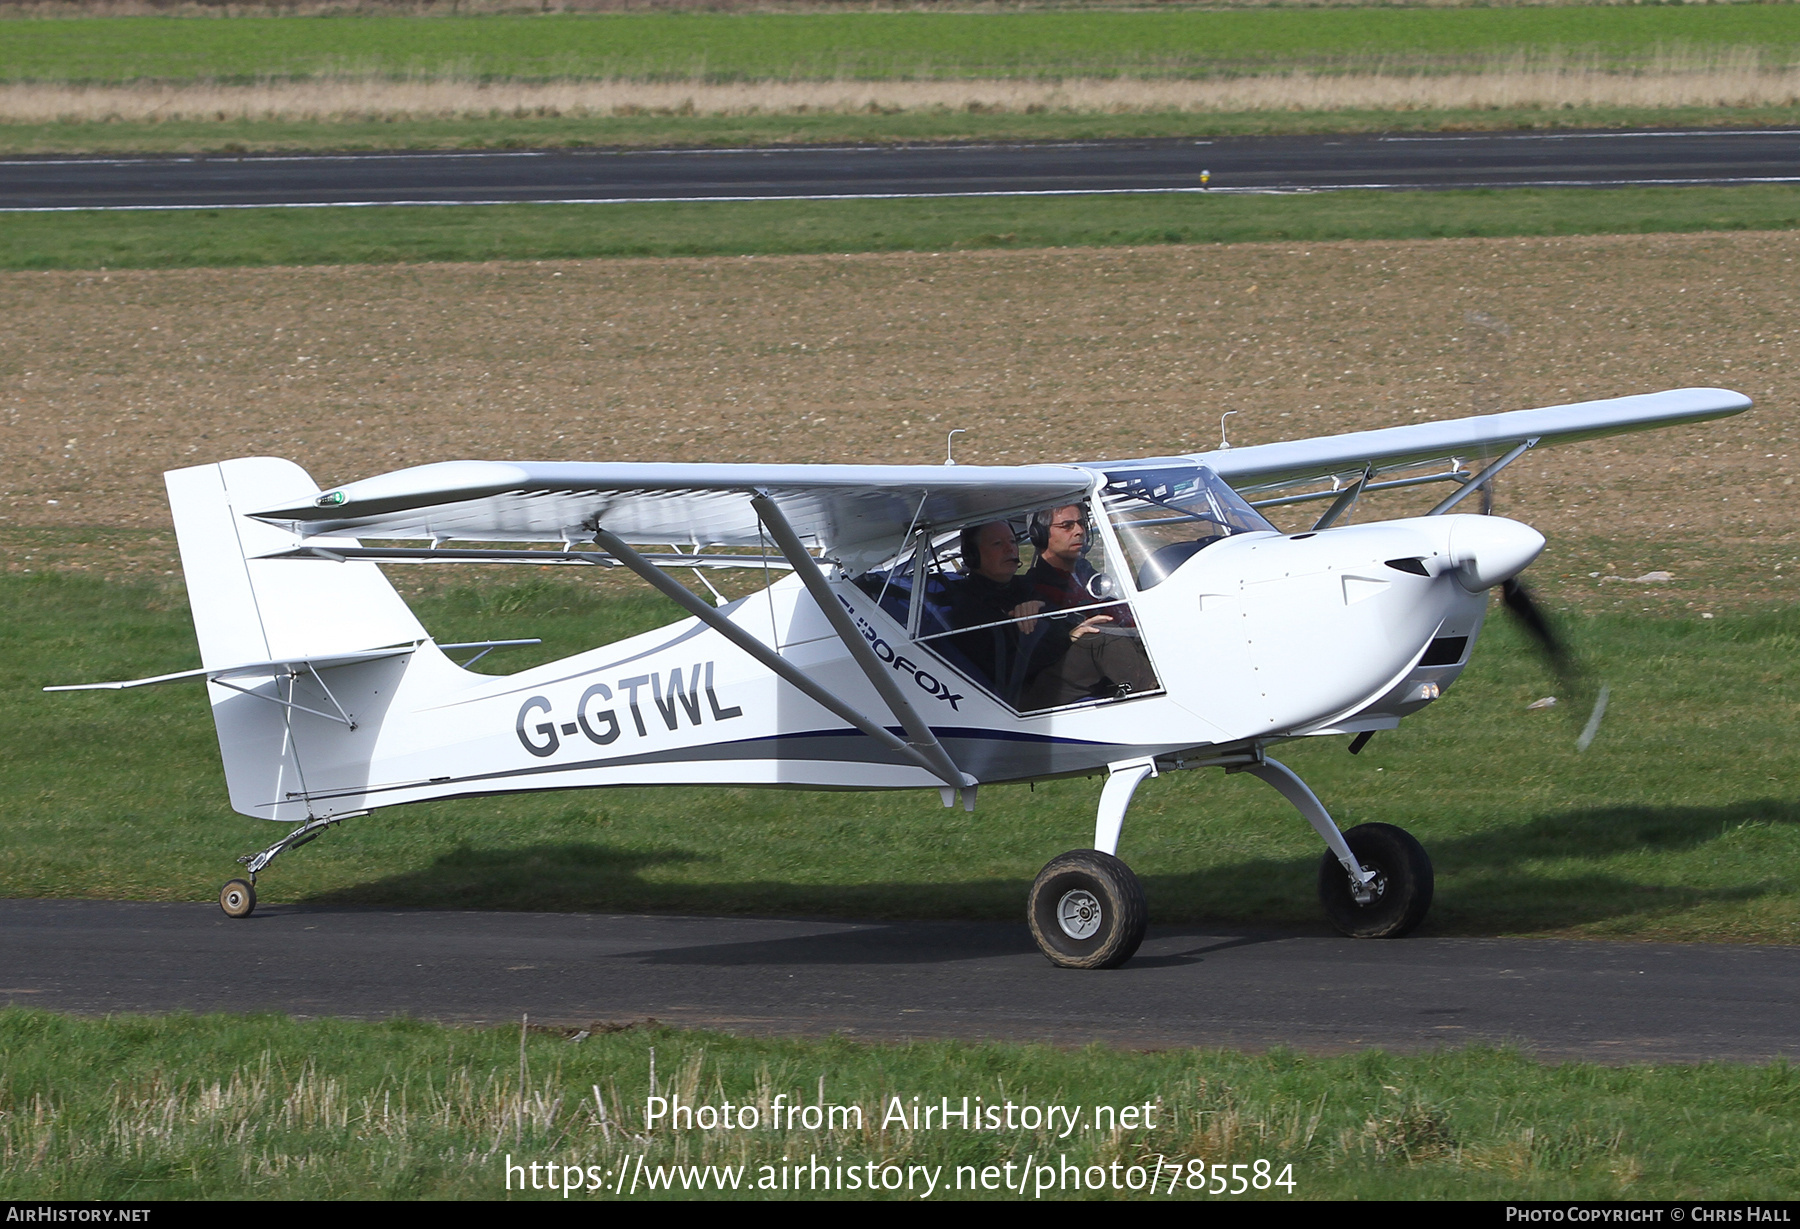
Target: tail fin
x=252, y=609
x=286, y=757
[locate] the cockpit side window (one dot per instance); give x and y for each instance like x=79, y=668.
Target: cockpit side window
x=1029, y=612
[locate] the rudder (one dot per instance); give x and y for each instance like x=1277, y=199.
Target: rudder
x=248, y=608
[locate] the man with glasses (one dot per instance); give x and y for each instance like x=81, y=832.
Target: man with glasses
x=1099, y=655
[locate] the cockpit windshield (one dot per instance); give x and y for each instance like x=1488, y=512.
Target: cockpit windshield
x=1165, y=516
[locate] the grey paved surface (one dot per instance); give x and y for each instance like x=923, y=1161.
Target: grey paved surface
x=1188, y=986
x=1236, y=163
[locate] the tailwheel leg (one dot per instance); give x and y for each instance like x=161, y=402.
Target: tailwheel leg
x=238, y=898
x=1376, y=882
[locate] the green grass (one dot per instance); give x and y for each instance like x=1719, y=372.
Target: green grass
x=1679, y=823
x=382, y=235
x=217, y=1108
x=651, y=131
x=783, y=45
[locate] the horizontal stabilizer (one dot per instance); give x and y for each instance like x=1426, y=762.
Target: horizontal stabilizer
x=254, y=669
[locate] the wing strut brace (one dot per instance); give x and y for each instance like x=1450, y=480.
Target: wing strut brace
x=682, y=596
x=920, y=737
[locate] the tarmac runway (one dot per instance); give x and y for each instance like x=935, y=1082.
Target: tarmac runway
x=1235, y=164
x=1200, y=986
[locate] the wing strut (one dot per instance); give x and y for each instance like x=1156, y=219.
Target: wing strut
x=922, y=740
x=682, y=596
x=1483, y=478
x=1343, y=503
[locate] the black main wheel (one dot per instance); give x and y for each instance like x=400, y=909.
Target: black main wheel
x=1087, y=910
x=1402, y=887
x=238, y=898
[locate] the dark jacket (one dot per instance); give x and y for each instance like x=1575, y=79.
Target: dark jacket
x=990, y=650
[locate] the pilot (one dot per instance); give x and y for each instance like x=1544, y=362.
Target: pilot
x=1035, y=663
x=1060, y=576
x=1104, y=655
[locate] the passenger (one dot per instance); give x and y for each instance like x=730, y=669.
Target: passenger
x=993, y=593
x=1037, y=663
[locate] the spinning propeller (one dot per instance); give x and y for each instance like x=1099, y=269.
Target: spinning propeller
x=1487, y=360
x=1571, y=679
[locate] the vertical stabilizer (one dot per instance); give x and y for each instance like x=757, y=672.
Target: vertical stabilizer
x=253, y=609
x=285, y=758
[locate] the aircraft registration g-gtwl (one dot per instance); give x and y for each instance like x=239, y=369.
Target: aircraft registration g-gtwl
x=1164, y=624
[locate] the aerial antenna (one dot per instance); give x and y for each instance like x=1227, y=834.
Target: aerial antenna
x=950, y=443
x=1223, y=442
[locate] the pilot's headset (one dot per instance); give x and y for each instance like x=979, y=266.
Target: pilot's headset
x=971, y=549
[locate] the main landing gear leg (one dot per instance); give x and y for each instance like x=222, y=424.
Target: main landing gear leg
x=1376, y=883
x=238, y=898
x=1087, y=909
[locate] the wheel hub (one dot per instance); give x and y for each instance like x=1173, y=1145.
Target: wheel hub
x=1078, y=914
x=1368, y=894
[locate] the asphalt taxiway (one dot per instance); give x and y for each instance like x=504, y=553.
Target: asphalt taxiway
x=1199, y=986
x=1235, y=164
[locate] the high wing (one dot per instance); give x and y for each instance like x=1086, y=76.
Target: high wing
x=856, y=514
x=1260, y=468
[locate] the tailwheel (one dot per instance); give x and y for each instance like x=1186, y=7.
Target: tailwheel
x=1395, y=901
x=238, y=898
x=1087, y=910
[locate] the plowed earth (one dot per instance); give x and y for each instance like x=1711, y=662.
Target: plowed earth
x=108, y=379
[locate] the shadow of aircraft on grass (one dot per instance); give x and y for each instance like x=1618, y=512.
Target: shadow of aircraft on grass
x=1540, y=874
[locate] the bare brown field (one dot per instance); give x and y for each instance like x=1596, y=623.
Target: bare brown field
x=1733, y=79
x=112, y=378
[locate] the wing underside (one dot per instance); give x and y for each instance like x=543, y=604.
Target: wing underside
x=847, y=511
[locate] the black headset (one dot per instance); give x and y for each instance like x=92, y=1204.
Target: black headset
x=971, y=549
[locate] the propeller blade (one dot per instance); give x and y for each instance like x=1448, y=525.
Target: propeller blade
x=1519, y=602
x=1570, y=676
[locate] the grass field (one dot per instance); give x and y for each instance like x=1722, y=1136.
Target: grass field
x=640, y=128
x=1679, y=823
x=165, y=83
x=266, y=1108
x=381, y=235
x=779, y=46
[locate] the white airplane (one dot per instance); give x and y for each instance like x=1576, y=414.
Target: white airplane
x=1165, y=625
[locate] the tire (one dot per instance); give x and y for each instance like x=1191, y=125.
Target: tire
x=1403, y=884
x=1087, y=911
x=238, y=898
